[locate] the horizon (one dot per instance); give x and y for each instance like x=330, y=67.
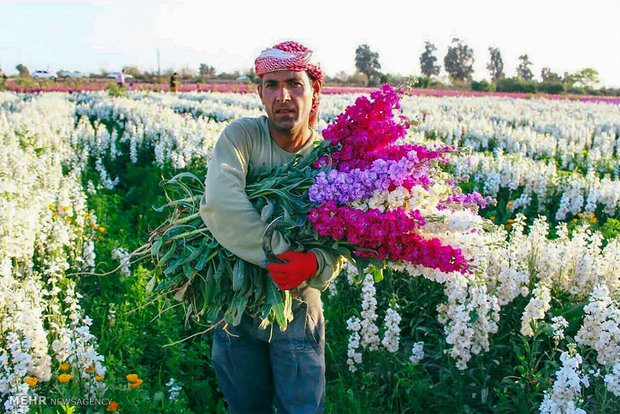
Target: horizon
x=76, y=35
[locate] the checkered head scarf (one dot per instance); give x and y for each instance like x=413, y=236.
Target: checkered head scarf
x=292, y=56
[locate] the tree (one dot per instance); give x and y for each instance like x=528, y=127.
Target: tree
x=428, y=61
x=367, y=62
x=587, y=78
x=523, y=70
x=496, y=65
x=459, y=61
x=342, y=76
x=206, y=71
x=357, y=79
x=548, y=76
x=252, y=76
x=229, y=75
x=187, y=73
x=23, y=70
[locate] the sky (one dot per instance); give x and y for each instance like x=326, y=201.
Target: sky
x=564, y=35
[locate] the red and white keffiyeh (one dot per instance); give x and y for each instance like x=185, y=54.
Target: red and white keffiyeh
x=288, y=56
x=292, y=56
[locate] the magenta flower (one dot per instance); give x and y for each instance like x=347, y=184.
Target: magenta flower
x=366, y=159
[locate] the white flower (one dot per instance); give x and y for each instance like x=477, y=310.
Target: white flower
x=558, y=326
x=174, y=389
x=391, y=336
x=369, y=332
x=600, y=328
x=417, y=352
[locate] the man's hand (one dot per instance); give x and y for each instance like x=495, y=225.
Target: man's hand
x=299, y=268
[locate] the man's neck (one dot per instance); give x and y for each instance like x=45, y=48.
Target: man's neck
x=291, y=141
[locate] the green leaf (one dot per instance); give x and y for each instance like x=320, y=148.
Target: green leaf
x=234, y=313
x=173, y=266
x=209, y=285
x=156, y=246
x=377, y=274
x=200, y=264
x=183, y=175
x=473, y=316
x=238, y=275
x=220, y=269
x=267, y=212
x=164, y=259
x=259, y=285
x=277, y=305
x=151, y=284
x=195, y=252
x=188, y=271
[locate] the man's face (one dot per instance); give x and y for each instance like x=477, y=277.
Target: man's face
x=287, y=96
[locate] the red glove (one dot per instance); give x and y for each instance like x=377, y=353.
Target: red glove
x=299, y=268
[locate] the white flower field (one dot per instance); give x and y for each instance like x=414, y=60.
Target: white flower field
x=535, y=328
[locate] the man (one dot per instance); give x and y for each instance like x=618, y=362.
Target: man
x=174, y=80
x=120, y=78
x=258, y=369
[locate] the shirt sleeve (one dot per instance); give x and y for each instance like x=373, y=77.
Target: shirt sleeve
x=328, y=267
x=225, y=207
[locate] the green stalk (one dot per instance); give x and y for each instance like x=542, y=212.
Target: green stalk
x=189, y=234
x=186, y=219
x=191, y=198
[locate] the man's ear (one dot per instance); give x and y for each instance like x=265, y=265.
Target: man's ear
x=316, y=86
x=259, y=90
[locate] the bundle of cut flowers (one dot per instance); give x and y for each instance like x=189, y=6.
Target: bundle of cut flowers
x=362, y=193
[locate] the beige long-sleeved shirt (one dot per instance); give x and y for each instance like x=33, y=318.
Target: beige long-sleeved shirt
x=247, y=146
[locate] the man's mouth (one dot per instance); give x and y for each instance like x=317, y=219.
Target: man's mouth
x=284, y=111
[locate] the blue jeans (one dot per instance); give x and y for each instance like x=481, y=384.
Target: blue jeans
x=262, y=369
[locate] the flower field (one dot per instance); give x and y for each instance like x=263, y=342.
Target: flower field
x=534, y=328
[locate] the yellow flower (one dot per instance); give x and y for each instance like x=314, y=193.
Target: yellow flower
x=64, y=208
x=492, y=218
x=69, y=219
x=135, y=384
x=51, y=206
x=90, y=369
x=580, y=214
x=112, y=406
x=511, y=221
x=99, y=378
x=31, y=381
x=65, y=367
x=510, y=203
x=64, y=378
x=575, y=220
x=101, y=229
x=594, y=219
x=55, y=213
x=132, y=377
x=89, y=217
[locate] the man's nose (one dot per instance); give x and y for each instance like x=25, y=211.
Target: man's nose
x=283, y=94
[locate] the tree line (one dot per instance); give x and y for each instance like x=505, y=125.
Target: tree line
x=459, y=65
